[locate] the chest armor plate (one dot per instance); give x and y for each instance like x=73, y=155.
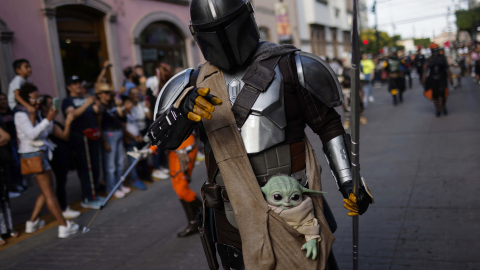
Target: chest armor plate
x=265, y=126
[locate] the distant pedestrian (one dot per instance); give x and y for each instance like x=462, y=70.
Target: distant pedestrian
x=84, y=142
x=368, y=69
x=111, y=133
x=133, y=139
x=16, y=185
x=39, y=165
x=23, y=70
x=61, y=156
x=396, y=84
x=6, y=224
x=437, y=80
x=131, y=80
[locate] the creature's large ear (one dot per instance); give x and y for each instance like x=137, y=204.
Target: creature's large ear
x=315, y=192
x=264, y=190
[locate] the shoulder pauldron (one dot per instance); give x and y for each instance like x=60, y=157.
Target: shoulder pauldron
x=318, y=78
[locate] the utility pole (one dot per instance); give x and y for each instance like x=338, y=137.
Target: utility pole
x=377, y=34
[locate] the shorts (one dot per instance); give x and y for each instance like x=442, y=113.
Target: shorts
x=45, y=163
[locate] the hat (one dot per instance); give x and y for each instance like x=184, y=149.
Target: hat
x=103, y=87
x=73, y=79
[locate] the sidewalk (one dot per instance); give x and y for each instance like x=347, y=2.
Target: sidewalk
x=422, y=170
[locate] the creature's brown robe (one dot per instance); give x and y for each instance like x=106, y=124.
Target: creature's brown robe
x=268, y=242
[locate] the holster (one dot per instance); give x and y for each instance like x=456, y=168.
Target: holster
x=204, y=222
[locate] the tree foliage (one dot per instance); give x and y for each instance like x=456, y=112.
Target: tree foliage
x=468, y=19
x=424, y=42
x=385, y=40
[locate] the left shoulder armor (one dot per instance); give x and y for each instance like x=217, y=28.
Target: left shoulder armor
x=318, y=78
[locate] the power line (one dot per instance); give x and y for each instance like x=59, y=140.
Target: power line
x=436, y=8
x=415, y=19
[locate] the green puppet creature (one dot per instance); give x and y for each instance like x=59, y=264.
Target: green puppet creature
x=286, y=197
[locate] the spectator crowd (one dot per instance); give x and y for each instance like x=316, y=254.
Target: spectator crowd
x=101, y=124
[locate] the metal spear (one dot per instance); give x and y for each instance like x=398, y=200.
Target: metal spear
x=122, y=179
x=355, y=120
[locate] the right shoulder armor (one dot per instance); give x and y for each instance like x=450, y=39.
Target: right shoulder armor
x=171, y=91
x=318, y=78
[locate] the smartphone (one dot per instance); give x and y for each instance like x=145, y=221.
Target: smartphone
x=55, y=103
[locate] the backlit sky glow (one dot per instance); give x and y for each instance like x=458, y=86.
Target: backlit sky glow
x=411, y=12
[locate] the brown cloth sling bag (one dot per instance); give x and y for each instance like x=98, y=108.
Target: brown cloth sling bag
x=268, y=242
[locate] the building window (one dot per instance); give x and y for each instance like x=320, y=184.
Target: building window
x=318, y=40
x=349, y=6
x=161, y=42
x=347, y=41
x=264, y=33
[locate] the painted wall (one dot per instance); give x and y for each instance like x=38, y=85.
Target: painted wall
x=26, y=19
x=29, y=39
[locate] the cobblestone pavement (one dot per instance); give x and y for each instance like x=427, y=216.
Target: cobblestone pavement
x=422, y=170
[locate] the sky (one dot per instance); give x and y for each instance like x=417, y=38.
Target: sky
x=415, y=18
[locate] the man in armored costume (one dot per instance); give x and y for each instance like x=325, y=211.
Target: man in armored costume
x=251, y=101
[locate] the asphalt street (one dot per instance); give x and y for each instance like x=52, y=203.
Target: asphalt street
x=422, y=170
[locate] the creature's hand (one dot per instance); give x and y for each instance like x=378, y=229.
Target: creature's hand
x=311, y=247
x=356, y=205
x=137, y=153
x=199, y=104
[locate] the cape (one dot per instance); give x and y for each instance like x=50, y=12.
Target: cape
x=268, y=242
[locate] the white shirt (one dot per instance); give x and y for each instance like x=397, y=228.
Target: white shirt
x=140, y=113
x=131, y=125
x=15, y=84
x=26, y=132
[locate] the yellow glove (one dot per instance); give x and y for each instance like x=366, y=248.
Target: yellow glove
x=351, y=205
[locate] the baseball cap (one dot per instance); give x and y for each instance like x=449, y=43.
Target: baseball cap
x=73, y=79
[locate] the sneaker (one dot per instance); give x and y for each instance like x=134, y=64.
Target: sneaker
x=119, y=194
x=165, y=170
x=12, y=194
x=92, y=204
x=125, y=189
x=158, y=174
x=346, y=125
x=371, y=99
x=69, y=213
x=138, y=184
x=69, y=229
x=31, y=227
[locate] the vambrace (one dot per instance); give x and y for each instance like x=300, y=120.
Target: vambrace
x=338, y=158
x=170, y=129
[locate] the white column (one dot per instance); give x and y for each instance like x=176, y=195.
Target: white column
x=6, y=59
x=113, y=51
x=54, y=50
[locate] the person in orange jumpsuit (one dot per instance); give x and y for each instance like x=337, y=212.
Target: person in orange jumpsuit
x=181, y=162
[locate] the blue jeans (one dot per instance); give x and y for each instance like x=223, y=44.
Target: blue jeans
x=133, y=173
x=367, y=89
x=113, y=161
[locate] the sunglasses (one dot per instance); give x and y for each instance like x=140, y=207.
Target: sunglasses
x=39, y=99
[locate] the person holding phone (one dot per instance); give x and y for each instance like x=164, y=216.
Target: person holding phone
x=61, y=155
x=84, y=141
x=36, y=129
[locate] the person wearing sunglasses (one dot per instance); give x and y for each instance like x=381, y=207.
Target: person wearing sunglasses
x=29, y=127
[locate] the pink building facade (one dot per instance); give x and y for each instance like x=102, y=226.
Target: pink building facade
x=59, y=37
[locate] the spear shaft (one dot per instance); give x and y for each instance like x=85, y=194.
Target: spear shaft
x=355, y=120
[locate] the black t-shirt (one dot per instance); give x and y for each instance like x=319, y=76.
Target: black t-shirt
x=111, y=121
x=86, y=120
x=8, y=119
x=61, y=154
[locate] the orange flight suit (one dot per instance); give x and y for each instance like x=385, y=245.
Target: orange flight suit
x=181, y=178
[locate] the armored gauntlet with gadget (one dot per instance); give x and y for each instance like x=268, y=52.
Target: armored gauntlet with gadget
x=176, y=123
x=338, y=158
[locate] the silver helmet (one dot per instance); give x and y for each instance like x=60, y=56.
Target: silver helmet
x=225, y=30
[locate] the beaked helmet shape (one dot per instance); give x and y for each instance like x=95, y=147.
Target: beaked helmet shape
x=285, y=192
